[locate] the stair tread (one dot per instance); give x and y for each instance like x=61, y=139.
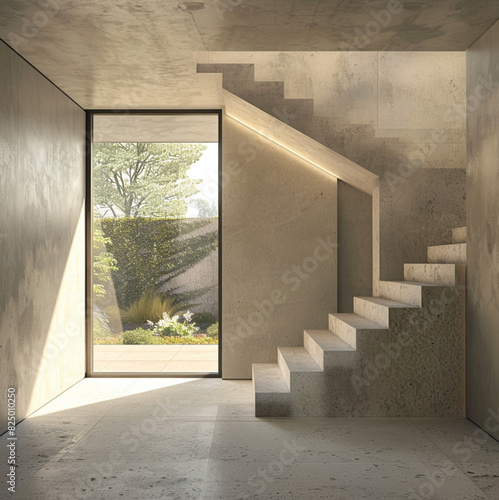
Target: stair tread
x=416, y=283
x=358, y=322
x=298, y=359
x=433, y=264
x=447, y=246
x=268, y=378
x=387, y=302
x=328, y=341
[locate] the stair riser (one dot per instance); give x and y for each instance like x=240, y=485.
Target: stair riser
x=374, y=312
x=437, y=274
x=452, y=254
x=443, y=274
x=346, y=333
x=314, y=349
x=410, y=294
x=284, y=368
x=327, y=359
x=459, y=235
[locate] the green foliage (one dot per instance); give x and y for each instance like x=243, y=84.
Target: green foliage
x=186, y=340
x=150, y=307
x=212, y=331
x=205, y=208
x=138, y=336
x=144, y=179
x=171, y=327
x=100, y=324
x=151, y=251
x=204, y=318
x=104, y=262
x=112, y=340
x=141, y=334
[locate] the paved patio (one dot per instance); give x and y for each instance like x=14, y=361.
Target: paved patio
x=156, y=358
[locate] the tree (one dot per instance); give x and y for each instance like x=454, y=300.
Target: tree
x=204, y=207
x=150, y=252
x=135, y=179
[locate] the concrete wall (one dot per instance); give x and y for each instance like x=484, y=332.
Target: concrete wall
x=42, y=264
x=399, y=115
x=278, y=249
x=483, y=232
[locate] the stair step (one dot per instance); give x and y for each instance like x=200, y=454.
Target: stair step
x=459, y=235
x=452, y=254
x=437, y=273
x=323, y=344
x=268, y=379
x=268, y=91
x=405, y=291
x=272, y=394
x=345, y=325
x=241, y=72
x=295, y=360
x=377, y=309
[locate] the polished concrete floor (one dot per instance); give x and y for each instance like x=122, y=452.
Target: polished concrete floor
x=156, y=358
x=183, y=439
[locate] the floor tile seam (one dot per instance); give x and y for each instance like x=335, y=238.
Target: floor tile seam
x=455, y=463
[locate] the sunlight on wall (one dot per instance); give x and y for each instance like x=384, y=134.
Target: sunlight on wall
x=66, y=335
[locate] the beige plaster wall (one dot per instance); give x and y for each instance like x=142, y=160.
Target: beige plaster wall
x=483, y=233
x=278, y=249
x=398, y=114
x=42, y=231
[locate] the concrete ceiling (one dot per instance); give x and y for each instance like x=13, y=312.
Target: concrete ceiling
x=118, y=127
x=124, y=53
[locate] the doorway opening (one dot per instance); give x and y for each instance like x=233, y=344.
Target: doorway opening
x=154, y=244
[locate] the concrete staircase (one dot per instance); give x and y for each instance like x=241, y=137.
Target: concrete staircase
x=399, y=354
x=239, y=79
x=269, y=96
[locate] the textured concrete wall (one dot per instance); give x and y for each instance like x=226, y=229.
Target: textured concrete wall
x=42, y=247
x=399, y=115
x=483, y=233
x=278, y=249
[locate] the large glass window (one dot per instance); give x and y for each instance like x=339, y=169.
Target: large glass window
x=155, y=244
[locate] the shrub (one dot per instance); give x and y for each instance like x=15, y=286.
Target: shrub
x=138, y=336
x=114, y=340
x=170, y=327
x=142, y=334
x=201, y=340
x=212, y=331
x=150, y=251
x=205, y=318
x=150, y=307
